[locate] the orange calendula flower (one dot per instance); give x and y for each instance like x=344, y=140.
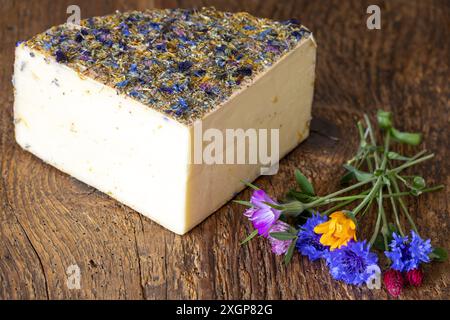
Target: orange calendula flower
x=337, y=231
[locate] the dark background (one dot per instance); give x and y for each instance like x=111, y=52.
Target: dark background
x=49, y=220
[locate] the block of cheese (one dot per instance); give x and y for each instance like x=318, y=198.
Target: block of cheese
x=114, y=102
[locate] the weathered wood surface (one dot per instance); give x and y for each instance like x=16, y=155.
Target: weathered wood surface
x=50, y=220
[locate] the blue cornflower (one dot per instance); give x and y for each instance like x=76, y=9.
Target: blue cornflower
x=133, y=68
x=47, y=45
x=352, y=263
x=180, y=107
x=122, y=84
x=407, y=255
x=308, y=242
x=125, y=29
x=262, y=35
x=155, y=26
x=249, y=27
x=161, y=47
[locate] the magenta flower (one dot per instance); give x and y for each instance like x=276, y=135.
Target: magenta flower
x=279, y=247
x=262, y=215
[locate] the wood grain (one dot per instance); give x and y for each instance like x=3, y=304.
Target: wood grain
x=49, y=220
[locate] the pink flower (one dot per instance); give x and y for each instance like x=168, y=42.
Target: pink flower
x=262, y=215
x=393, y=280
x=279, y=247
x=414, y=277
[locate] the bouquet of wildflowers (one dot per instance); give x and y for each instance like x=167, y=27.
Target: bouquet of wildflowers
x=328, y=227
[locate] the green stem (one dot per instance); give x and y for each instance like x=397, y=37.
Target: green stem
x=367, y=198
x=394, y=208
x=391, y=195
x=378, y=184
x=383, y=218
x=367, y=208
x=334, y=194
x=402, y=204
x=409, y=164
x=363, y=194
x=418, y=155
x=338, y=199
x=377, y=229
x=340, y=205
x=372, y=139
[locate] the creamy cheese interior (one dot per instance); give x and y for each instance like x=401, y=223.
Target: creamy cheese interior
x=138, y=155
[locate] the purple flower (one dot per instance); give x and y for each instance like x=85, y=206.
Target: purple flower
x=245, y=71
x=279, y=247
x=184, y=66
x=407, y=255
x=262, y=215
x=352, y=263
x=60, y=56
x=308, y=242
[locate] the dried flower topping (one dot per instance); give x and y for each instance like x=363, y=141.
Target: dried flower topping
x=165, y=57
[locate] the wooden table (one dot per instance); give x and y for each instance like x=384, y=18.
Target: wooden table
x=50, y=221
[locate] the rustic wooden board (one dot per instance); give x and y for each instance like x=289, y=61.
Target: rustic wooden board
x=50, y=220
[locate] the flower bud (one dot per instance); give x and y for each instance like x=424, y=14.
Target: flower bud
x=414, y=277
x=393, y=280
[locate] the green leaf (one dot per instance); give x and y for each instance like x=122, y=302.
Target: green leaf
x=406, y=137
x=292, y=230
x=347, y=178
x=283, y=235
x=361, y=176
x=304, y=183
x=439, y=254
x=244, y=203
x=248, y=184
x=395, y=156
x=250, y=237
x=419, y=183
x=384, y=119
x=290, y=253
x=300, y=196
